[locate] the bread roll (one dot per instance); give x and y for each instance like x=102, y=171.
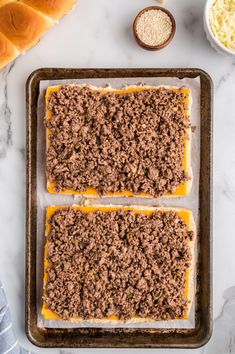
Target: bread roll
x=4, y=2
x=8, y=51
x=23, y=25
x=52, y=8
x=24, y=22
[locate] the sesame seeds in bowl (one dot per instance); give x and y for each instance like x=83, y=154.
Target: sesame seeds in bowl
x=154, y=27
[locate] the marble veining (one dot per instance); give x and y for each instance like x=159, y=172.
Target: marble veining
x=223, y=340
x=99, y=34
x=192, y=20
x=5, y=112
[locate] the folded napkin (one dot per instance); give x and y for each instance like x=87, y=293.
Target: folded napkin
x=8, y=342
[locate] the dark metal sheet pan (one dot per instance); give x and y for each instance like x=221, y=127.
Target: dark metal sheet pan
x=125, y=337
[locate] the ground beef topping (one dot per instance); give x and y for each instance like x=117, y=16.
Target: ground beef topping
x=117, y=264
x=115, y=142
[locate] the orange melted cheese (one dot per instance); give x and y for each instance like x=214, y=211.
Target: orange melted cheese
x=185, y=214
x=182, y=189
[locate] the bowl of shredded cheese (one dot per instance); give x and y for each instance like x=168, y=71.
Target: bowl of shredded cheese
x=154, y=28
x=219, y=24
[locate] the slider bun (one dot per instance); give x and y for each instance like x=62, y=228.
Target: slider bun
x=8, y=51
x=22, y=25
x=52, y=8
x=4, y=2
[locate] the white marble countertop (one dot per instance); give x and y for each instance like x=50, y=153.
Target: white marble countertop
x=98, y=34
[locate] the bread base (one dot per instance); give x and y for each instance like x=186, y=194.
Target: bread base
x=185, y=214
x=182, y=190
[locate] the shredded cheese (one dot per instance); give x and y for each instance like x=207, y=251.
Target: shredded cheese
x=222, y=22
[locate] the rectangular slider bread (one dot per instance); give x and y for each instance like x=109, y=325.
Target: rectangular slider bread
x=130, y=142
x=52, y=8
x=24, y=22
x=124, y=264
x=8, y=51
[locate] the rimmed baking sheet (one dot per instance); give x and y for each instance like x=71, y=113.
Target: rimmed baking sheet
x=41, y=198
x=45, y=199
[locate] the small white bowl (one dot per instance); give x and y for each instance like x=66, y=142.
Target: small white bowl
x=214, y=41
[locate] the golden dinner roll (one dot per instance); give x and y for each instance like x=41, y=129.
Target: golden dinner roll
x=52, y=8
x=4, y=2
x=23, y=25
x=8, y=51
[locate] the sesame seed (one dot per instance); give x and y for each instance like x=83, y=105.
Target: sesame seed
x=154, y=27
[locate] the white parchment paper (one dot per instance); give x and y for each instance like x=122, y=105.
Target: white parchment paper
x=45, y=199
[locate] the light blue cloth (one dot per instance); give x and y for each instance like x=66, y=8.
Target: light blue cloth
x=8, y=342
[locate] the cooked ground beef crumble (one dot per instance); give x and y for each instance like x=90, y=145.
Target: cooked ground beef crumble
x=117, y=264
x=115, y=142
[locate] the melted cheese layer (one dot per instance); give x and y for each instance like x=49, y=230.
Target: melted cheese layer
x=182, y=190
x=185, y=214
